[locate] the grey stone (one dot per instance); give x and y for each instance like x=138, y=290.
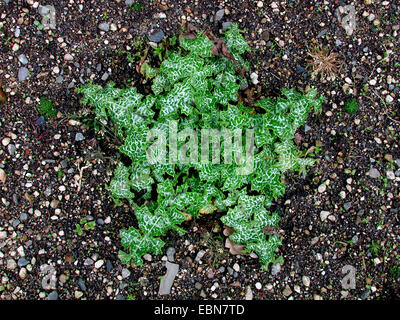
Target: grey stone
x=104, y=26
x=11, y=149
x=275, y=269
x=109, y=266
x=88, y=262
x=322, y=32
x=365, y=294
x=347, y=205
x=52, y=296
x=170, y=254
x=156, y=36
x=374, y=173
x=22, y=262
x=79, y=137
x=125, y=273
x=48, y=191
x=22, y=58
x=199, y=255
x=40, y=121
x=168, y=279
x=226, y=25
x=82, y=284
x=43, y=10
x=219, y=15
x=15, y=223
x=23, y=216
x=105, y=76
x=22, y=74
x=64, y=163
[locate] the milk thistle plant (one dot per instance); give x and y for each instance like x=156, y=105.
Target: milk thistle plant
x=177, y=135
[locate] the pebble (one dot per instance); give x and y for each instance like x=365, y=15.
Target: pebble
x=22, y=58
x=79, y=137
x=287, y=291
x=219, y=15
x=11, y=264
x=254, y=78
x=324, y=214
x=125, y=273
x=104, y=26
x=156, y=36
x=5, y=141
x=170, y=254
x=168, y=280
x=275, y=269
x=82, y=284
x=98, y=264
x=68, y=57
x=389, y=99
x=199, y=255
x=374, y=173
x=236, y=267
x=249, y=293
x=322, y=188
x=52, y=296
x=306, y=281
x=258, y=286
x=22, y=262
x=22, y=74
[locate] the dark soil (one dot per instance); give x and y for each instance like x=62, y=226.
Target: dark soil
x=47, y=191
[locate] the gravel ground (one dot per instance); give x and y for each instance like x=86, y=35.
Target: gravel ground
x=342, y=215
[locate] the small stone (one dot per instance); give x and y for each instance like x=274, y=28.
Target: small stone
x=347, y=205
x=287, y=291
x=254, y=78
x=306, y=281
x=258, y=286
x=249, y=293
x=125, y=273
x=156, y=36
x=275, y=269
x=68, y=57
x=82, y=284
x=324, y=214
x=78, y=294
x=104, y=26
x=389, y=99
x=22, y=58
x=22, y=74
x=11, y=264
x=260, y=4
x=170, y=254
x=105, y=76
x=236, y=267
x=52, y=296
x=226, y=25
x=219, y=15
x=322, y=188
x=98, y=264
x=374, y=173
x=11, y=149
x=88, y=262
x=22, y=262
x=198, y=285
x=79, y=137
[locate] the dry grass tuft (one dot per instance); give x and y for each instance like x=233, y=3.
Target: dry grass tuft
x=324, y=63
